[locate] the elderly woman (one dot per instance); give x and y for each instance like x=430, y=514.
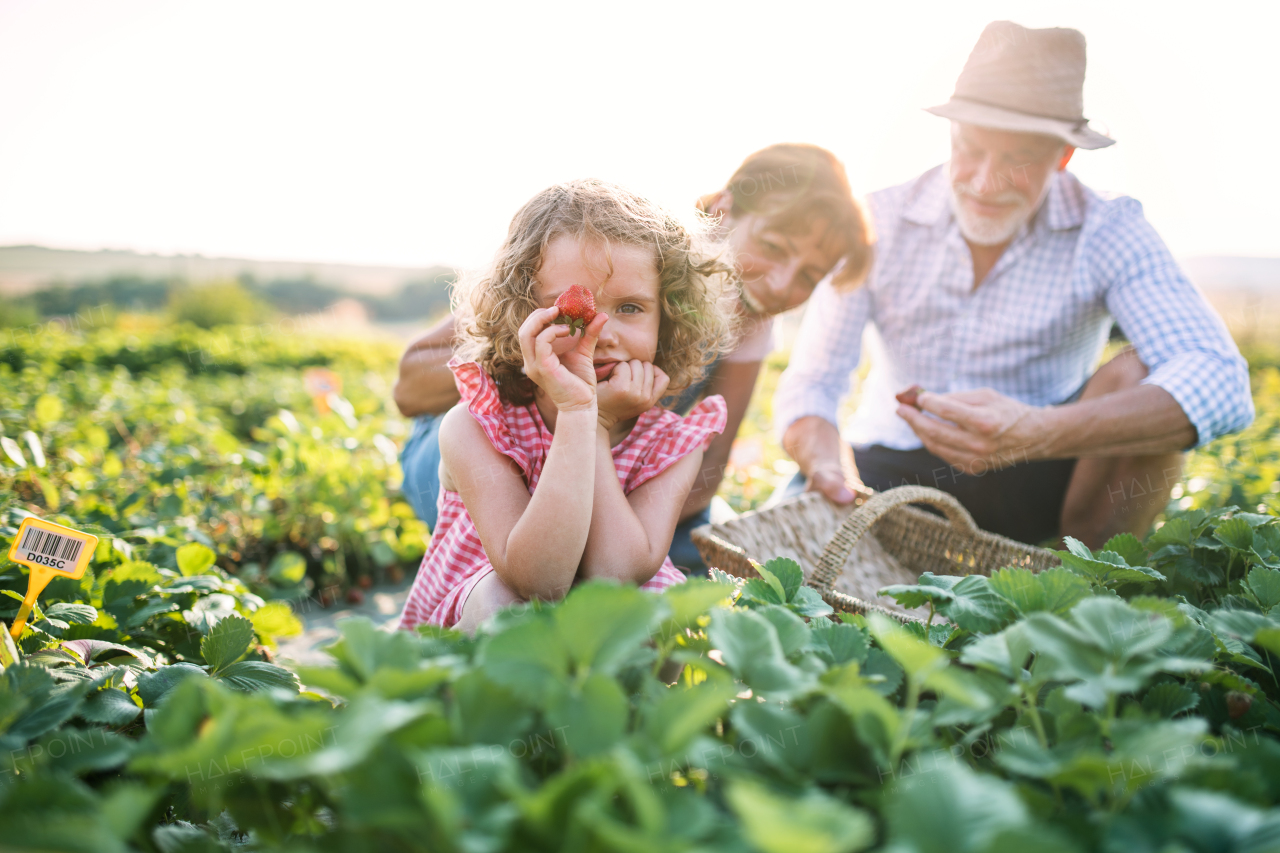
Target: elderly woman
x=789, y=218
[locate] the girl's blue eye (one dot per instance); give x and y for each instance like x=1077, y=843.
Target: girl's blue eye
x=630, y=308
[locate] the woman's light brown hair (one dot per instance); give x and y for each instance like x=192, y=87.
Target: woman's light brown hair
x=697, y=290
x=793, y=186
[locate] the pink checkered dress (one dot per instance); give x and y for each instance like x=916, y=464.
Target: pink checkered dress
x=455, y=560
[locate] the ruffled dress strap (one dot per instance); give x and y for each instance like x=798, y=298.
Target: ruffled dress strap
x=668, y=437
x=480, y=395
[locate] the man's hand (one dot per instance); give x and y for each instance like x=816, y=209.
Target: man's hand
x=831, y=483
x=979, y=430
x=633, y=388
x=814, y=443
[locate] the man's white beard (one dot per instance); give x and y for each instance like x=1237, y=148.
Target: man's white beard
x=989, y=230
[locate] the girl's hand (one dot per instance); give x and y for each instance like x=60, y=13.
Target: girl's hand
x=632, y=389
x=568, y=379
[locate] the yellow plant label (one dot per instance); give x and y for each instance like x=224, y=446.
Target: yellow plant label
x=52, y=547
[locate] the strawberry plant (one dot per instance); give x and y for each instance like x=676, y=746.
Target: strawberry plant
x=1092, y=706
x=1127, y=700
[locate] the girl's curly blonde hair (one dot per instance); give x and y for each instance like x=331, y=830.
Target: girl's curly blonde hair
x=697, y=291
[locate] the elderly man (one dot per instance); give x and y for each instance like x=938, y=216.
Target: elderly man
x=996, y=281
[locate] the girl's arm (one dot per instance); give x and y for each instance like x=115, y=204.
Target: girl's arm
x=631, y=534
x=534, y=542
x=735, y=381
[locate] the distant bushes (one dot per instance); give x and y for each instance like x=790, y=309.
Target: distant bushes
x=244, y=300
x=416, y=299
x=225, y=303
x=15, y=313
x=127, y=293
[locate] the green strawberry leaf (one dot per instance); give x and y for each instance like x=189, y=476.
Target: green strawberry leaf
x=97, y=651
x=1265, y=585
x=251, y=675
x=110, y=707
x=1005, y=653
x=976, y=607
x=750, y=647
x=916, y=595
x=760, y=591
x=1054, y=590
x=1169, y=699
x=793, y=633
x=600, y=623
x=1236, y=533
x=194, y=558
x=681, y=714
x=593, y=718
x=773, y=581
x=288, y=567
x=788, y=573
x=152, y=686
x=227, y=642
x=776, y=823
x=529, y=658
x=1128, y=547
x=809, y=603
x=1175, y=531
x=78, y=614
x=839, y=643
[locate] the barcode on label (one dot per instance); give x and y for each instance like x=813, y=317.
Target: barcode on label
x=47, y=544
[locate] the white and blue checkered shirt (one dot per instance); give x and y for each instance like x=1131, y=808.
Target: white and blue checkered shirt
x=1033, y=330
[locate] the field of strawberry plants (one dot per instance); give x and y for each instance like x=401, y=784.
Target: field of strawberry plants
x=160, y=435
x=1127, y=700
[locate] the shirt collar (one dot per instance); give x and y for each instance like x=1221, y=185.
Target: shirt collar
x=930, y=203
x=1064, y=206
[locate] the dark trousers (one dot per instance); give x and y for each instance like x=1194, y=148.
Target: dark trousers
x=1022, y=502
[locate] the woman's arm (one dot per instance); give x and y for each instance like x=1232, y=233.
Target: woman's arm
x=426, y=385
x=735, y=381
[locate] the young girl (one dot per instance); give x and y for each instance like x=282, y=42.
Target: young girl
x=560, y=465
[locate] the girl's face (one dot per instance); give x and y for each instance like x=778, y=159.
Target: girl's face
x=625, y=284
x=779, y=270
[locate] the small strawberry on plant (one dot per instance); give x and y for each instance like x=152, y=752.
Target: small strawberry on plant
x=577, y=308
x=1238, y=704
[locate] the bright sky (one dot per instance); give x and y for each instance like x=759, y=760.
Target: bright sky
x=410, y=132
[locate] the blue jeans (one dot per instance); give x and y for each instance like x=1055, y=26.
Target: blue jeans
x=420, y=460
x=683, y=552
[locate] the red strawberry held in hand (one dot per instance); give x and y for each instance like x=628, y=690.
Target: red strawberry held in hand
x=577, y=308
x=908, y=397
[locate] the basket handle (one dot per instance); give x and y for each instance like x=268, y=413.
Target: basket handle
x=863, y=518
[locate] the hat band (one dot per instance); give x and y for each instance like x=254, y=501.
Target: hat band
x=1077, y=123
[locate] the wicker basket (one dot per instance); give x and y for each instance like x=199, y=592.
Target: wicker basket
x=848, y=567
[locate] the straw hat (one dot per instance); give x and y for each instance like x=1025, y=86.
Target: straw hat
x=1025, y=80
